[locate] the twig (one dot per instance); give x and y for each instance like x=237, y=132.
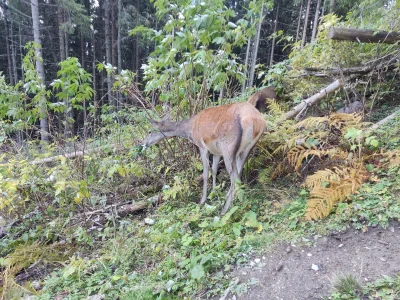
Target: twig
x=226, y=293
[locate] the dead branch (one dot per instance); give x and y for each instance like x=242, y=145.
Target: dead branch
x=75, y=154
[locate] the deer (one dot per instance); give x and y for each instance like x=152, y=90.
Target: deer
x=228, y=131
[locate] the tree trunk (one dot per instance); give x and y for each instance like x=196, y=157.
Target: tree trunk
x=60, y=19
x=108, y=46
x=255, y=50
x=299, y=21
x=119, y=54
x=94, y=79
x=39, y=68
x=113, y=42
x=363, y=35
x=246, y=64
x=304, y=39
x=13, y=53
x=271, y=60
x=315, y=25
x=323, y=8
x=137, y=67
x=83, y=51
x=331, y=6
x=7, y=37
x=119, y=37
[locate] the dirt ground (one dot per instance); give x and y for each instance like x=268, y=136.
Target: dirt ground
x=290, y=272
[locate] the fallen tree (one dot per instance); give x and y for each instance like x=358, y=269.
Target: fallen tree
x=314, y=99
x=363, y=35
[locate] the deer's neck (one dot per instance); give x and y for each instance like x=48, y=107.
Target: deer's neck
x=180, y=128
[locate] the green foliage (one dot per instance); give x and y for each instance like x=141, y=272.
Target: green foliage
x=203, y=245
x=19, y=104
x=73, y=85
x=195, y=51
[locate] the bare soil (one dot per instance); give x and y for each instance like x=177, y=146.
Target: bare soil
x=296, y=273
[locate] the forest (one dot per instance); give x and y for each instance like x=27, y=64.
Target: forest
x=100, y=200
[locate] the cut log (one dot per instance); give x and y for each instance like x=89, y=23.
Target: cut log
x=363, y=35
x=314, y=99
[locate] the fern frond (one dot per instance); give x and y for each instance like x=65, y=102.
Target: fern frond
x=342, y=183
x=312, y=122
x=297, y=154
x=322, y=200
x=315, y=180
x=342, y=121
x=275, y=107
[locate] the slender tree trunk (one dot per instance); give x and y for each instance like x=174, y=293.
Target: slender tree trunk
x=39, y=68
x=271, y=60
x=299, y=21
x=323, y=8
x=83, y=51
x=66, y=45
x=119, y=37
x=94, y=79
x=315, y=25
x=60, y=20
x=113, y=41
x=304, y=38
x=7, y=37
x=246, y=64
x=137, y=44
x=61, y=32
x=255, y=50
x=119, y=54
x=332, y=6
x=108, y=45
x=13, y=54
x=69, y=114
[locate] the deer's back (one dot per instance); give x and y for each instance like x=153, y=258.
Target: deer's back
x=221, y=126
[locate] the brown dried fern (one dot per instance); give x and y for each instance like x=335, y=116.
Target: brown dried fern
x=297, y=154
x=342, y=121
x=342, y=183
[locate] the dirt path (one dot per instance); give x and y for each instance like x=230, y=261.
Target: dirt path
x=291, y=272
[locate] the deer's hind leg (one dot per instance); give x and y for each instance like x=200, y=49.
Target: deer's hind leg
x=214, y=169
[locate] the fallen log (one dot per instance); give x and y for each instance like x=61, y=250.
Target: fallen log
x=75, y=154
x=313, y=99
x=363, y=35
x=383, y=121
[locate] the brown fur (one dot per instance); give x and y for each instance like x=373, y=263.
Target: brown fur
x=258, y=99
x=228, y=131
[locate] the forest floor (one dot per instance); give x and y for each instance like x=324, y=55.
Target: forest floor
x=292, y=272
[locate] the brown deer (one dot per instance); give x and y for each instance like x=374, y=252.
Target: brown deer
x=228, y=131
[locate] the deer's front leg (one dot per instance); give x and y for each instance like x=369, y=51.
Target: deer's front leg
x=206, y=163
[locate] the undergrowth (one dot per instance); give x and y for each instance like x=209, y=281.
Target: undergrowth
x=178, y=249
